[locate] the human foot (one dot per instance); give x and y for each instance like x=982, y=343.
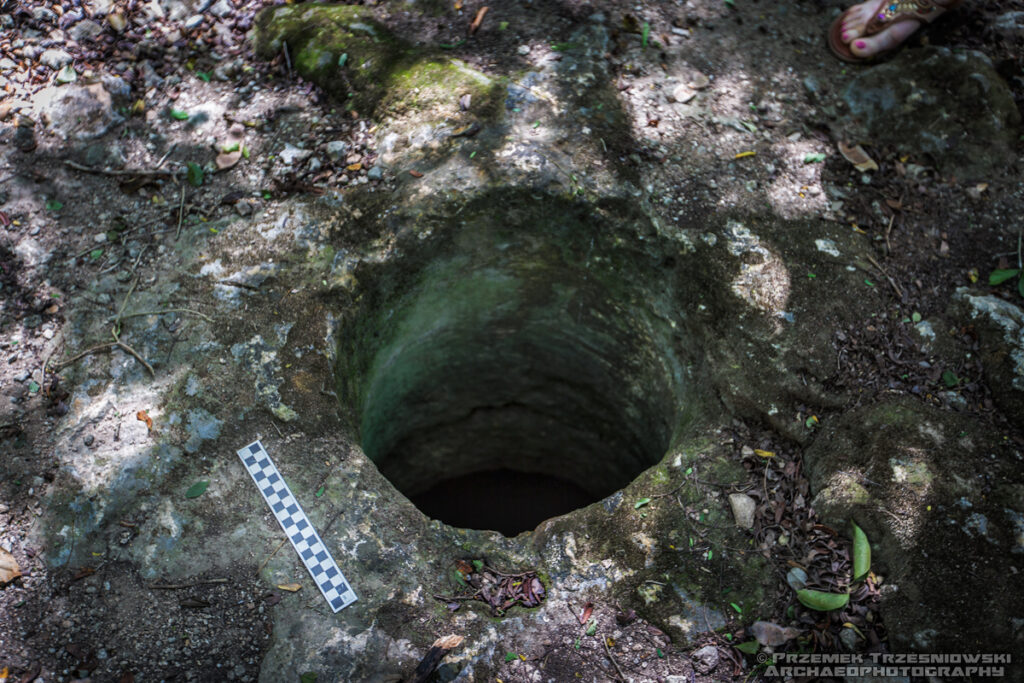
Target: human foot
x=875, y=27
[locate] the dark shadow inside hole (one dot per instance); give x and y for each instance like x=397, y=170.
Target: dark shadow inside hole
x=503, y=500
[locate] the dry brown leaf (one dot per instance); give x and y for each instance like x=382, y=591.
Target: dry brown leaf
x=226, y=160
x=478, y=19
x=857, y=156
x=448, y=642
x=290, y=587
x=143, y=416
x=415, y=174
x=9, y=569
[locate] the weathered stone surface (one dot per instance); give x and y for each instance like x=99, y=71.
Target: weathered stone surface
x=81, y=112
x=935, y=493
x=743, y=507
x=1001, y=327
x=953, y=108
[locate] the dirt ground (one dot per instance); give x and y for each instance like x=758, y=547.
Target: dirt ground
x=66, y=223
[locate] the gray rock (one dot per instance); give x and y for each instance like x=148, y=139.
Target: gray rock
x=80, y=112
x=1000, y=324
x=54, y=58
x=337, y=150
x=705, y=659
x=743, y=507
x=291, y=154
x=86, y=29
x=375, y=173
x=193, y=22
x=955, y=109
x=221, y=8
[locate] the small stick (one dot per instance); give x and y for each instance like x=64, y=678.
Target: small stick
x=892, y=282
x=181, y=214
x=168, y=310
x=608, y=651
x=287, y=58
x=123, y=172
x=172, y=586
x=457, y=597
x=888, y=230
x=264, y=563
x=164, y=157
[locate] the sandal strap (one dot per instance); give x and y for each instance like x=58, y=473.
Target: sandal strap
x=895, y=11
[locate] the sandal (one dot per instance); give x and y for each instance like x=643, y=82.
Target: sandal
x=888, y=13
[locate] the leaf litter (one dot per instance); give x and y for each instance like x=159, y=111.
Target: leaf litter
x=499, y=590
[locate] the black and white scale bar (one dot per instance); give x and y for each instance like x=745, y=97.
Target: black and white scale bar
x=297, y=528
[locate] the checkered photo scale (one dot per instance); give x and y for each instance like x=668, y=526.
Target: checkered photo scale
x=297, y=527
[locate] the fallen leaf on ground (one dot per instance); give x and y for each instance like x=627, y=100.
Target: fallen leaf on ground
x=83, y=572
x=290, y=587
x=415, y=174
x=858, y=157
x=143, y=416
x=197, y=489
x=478, y=19
x=587, y=610
x=9, y=569
x=772, y=635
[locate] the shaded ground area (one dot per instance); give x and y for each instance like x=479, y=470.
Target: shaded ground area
x=731, y=105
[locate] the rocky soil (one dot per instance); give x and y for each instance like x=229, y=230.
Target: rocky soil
x=183, y=224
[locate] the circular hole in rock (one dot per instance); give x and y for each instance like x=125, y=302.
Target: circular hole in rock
x=517, y=368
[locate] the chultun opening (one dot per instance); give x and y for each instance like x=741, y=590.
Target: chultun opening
x=520, y=369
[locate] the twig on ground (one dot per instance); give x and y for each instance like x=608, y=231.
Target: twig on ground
x=882, y=270
x=264, y=563
x=164, y=157
x=121, y=172
x=181, y=214
x=608, y=651
x=115, y=333
x=177, y=586
x=287, y=57
x=136, y=314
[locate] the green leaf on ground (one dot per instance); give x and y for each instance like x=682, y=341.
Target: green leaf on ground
x=342, y=59
x=739, y=610
x=861, y=553
x=814, y=158
x=54, y=205
x=95, y=254
x=33, y=387
x=179, y=114
x=320, y=492
x=203, y=76
x=821, y=601
x=640, y=503
x=592, y=627
x=511, y=656
x=916, y=317
x=998, y=277
x=308, y=677
x=750, y=647
x=645, y=34
x=197, y=489
x=195, y=174
x=478, y=565
x=950, y=379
